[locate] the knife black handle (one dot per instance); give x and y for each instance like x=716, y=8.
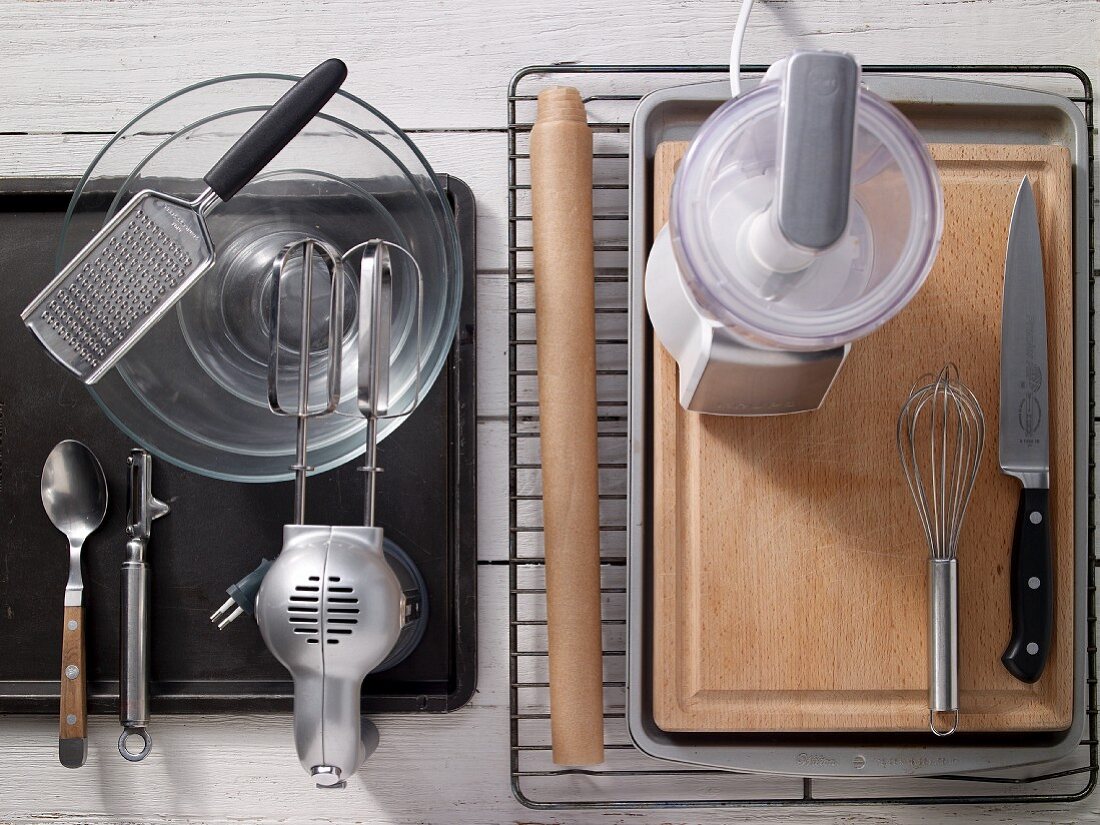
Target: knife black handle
x=1032, y=590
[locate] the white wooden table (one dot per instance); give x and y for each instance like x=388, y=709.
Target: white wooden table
x=73, y=71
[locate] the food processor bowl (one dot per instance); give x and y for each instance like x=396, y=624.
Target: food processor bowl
x=194, y=390
x=804, y=215
x=727, y=183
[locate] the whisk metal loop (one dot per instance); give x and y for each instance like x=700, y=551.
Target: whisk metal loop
x=943, y=731
x=940, y=439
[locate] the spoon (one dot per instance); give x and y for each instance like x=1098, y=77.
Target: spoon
x=74, y=495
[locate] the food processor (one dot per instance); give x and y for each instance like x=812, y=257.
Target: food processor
x=805, y=214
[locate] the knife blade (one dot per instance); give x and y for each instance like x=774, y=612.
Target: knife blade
x=1024, y=446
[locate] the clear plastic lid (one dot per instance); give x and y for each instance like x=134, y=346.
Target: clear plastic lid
x=746, y=274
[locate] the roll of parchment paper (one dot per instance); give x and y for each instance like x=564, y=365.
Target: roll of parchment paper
x=561, y=210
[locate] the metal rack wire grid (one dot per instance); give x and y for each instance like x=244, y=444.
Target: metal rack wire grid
x=630, y=779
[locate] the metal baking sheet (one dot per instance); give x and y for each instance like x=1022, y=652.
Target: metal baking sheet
x=944, y=110
x=217, y=531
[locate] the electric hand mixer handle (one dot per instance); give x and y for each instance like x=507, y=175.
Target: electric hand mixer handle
x=327, y=727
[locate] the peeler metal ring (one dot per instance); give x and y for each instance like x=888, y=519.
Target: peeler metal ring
x=146, y=746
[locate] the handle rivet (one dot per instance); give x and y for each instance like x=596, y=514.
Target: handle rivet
x=72, y=624
x=72, y=671
x=1033, y=582
x=1032, y=648
x=1036, y=517
x=70, y=719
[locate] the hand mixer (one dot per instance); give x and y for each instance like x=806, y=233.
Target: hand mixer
x=339, y=602
x=941, y=433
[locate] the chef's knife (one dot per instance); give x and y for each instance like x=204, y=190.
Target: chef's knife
x=1025, y=440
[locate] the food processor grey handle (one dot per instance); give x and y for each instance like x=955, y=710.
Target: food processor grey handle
x=820, y=92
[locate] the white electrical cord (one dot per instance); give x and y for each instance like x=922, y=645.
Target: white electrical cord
x=735, y=47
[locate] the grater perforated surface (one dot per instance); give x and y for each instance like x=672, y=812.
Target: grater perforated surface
x=120, y=283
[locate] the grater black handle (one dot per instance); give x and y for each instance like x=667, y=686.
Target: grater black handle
x=275, y=129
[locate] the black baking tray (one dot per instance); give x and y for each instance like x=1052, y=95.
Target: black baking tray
x=217, y=530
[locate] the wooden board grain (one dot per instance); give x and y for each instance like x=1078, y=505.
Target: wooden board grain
x=789, y=565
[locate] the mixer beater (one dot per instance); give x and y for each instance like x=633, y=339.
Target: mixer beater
x=940, y=437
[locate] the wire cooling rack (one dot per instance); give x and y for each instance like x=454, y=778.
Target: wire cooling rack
x=629, y=778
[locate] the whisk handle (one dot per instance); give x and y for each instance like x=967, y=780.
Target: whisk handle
x=943, y=637
x=1032, y=588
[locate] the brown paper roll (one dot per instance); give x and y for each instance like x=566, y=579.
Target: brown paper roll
x=561, y=210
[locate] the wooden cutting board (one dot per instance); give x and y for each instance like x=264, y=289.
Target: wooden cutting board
x=788, y=561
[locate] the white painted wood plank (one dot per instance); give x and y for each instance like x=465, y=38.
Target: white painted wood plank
x=448, y=63
x=492, y=491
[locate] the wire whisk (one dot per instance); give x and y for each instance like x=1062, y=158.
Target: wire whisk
x=940, y=438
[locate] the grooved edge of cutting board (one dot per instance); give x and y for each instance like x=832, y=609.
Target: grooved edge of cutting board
x=789, y=565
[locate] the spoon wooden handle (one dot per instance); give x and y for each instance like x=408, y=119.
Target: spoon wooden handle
x=72, y=746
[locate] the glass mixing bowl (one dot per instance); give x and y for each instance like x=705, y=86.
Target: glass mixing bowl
x=194, y=390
